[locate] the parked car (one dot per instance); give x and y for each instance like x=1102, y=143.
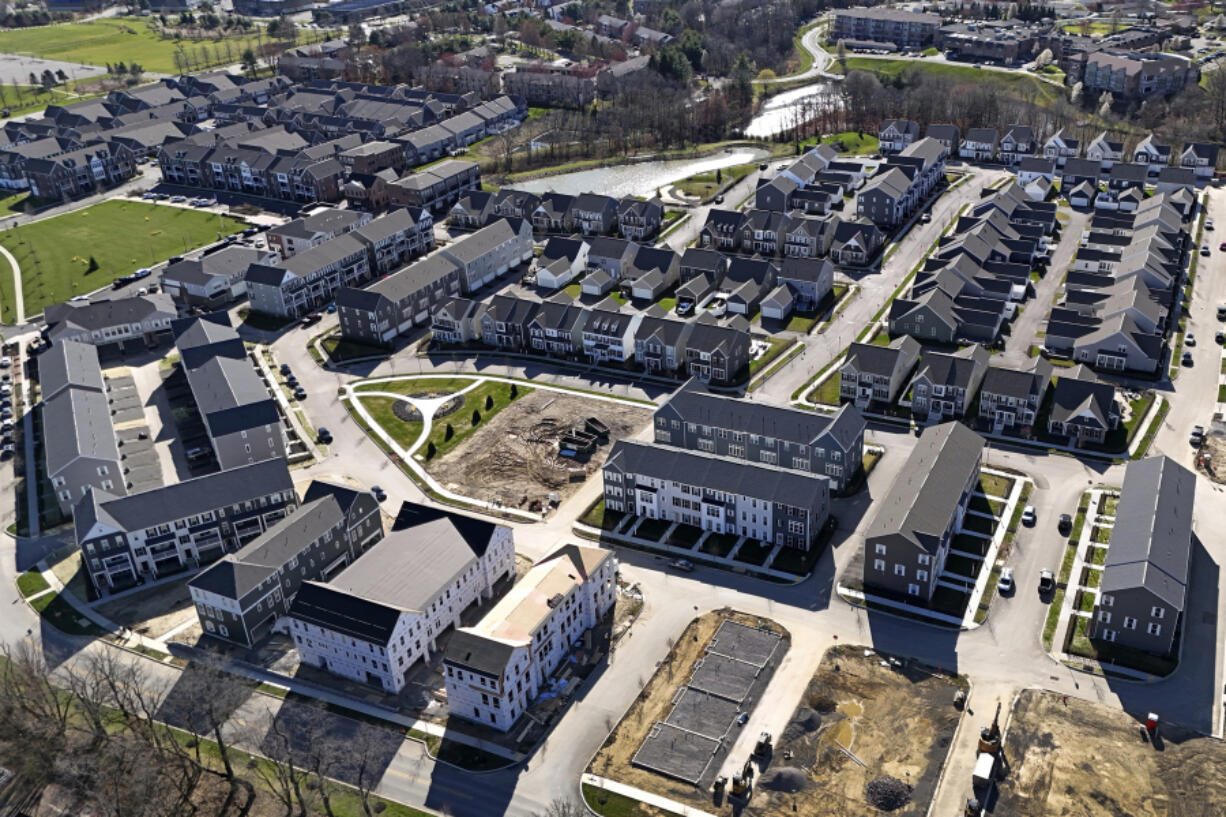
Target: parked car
x=1028, y=516
x=1065, y=525
x=1186, y=360
x=285, y=368
x=684, y=565
x=311, y=319
x=925, y=218
x=719, y=199
x=300, y=393
x=380, y=495
x=143, y=272
x=1047, y=582
x=323, y=435
x=1221, y=313
x=178, y=199
x=1204, y=249
x=5, y=362
x=1005, y=583
x=1189, y=339
x=1222, y=247
x=1220, y=338
x=1208, y=224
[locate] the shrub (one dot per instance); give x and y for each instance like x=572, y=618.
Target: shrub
x=431, y=450
x=476, y=417
x=514, y=391
x=448, y=432
x=489, y=402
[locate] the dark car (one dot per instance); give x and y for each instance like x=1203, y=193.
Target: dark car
x=380, y=496
x=250, y=231
x=1047, y=582
x=285, y=368
x=323, y=435
x=1065, y=525
x=300, y=393
x=312, y=319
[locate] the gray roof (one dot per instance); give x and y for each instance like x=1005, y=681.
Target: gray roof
x=69, y=363
x=952, y=368
x=105, y=314
x=881, y=360
x=1018, y=383
x=475, y=245
x=1151, y=542
x=400, y=285
x=80, y=424
x=192, y=496
x=352, y=616
x=926, y=493
x=1074, y=395
x=225, y=262
x=772, y=484
x=479, y=653
x=242, y=571
x=387, y=225
x=317, y=257
x=410, y=566
x=329, y=220
x=694, y=404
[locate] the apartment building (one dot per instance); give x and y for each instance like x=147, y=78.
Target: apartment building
x=904, y=29
x=213, y=280
x=141, y=537
x=491, y=252
x=915, y=522
x=698, y=420
x=495, y=669
x=309, y=279
x=239, y=415
x=1143, y=596
x=319, y=227
x=118, y=325
x=243, y=596
x=767, y=503
x=1009, y=399
x=876, y=374
x=81, y=450
x=375, y=619
x=392, y=306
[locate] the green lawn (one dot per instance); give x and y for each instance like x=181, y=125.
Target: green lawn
x=63, y=616
x=702, y=185
x=828, y=392
x=381, y=411
x=419, y=385
x=1013, y=81
x=114, y=40
x=462, y=420
x=777, y=346
x=994, y=485
x=853, y=142
x=121, y=235
x=609, y=804
x=31, y=582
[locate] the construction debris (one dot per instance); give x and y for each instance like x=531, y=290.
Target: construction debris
x=787, y=779
x=887, y=793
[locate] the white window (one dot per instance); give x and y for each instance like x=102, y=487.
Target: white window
x=1106, y=600
x=925, y=559
x=1108, y=635
x=1104, y=616
x=921, y=575
x=878, y=564
x=1154, y=629
x=1130, y=623
x=913, y=589
x=1158, y=612
x=880, y=550
x=900, y=570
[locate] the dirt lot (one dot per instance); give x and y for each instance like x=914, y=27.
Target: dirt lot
x=1089, y=760
x=514, y=457
x=153, y=612
x=898, y=721
x=654, y=703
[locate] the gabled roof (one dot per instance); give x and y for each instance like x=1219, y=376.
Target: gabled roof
x=920, y=505
x=69, y=364
x=1079, y=393
x=870, y=359
x=1018, y=383
x=957, y=369
x=1151, y=541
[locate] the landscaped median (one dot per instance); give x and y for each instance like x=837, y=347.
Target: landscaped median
x=506, y=446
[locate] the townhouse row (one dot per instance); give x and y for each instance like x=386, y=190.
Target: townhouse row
x=1019, y=142
x=588, y=214
x=1072, y=406
x=971, y=284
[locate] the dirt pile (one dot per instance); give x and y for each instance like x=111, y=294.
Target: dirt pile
x=787, y=779
x=804, y=722
x=887, y=793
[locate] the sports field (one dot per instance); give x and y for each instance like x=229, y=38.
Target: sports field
x=126, y=39
x=121, y=235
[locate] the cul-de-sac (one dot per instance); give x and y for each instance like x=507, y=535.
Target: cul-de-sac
x=625, y=408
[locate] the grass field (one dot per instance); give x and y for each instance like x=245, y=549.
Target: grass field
x=121, y=235
x=703, y=185
x=122, y=39
x=857, y=144
x=1014, y=81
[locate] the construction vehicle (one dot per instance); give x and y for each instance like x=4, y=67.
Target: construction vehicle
x=741, y=783
x=763, y=746
x=984, y=775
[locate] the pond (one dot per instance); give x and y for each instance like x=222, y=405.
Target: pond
x=639, y=178
x=779, y=112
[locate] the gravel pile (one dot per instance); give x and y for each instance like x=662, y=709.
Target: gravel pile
x=806, y=721
x=887, y=793
x=787, y=779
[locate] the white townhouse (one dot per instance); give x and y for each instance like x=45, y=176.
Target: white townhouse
x=383, y=613
x=497, y=668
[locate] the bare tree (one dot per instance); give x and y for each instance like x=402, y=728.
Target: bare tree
x=563, y=807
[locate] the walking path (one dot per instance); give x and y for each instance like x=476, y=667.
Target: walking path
x=663, y=803
x=19, y=301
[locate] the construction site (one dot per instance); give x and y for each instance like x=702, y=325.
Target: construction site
x=674, y=739
x=1063, y=755
x=871, y=735
x=539, y=449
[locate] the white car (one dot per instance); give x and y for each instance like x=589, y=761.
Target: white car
x=1189, y=339
x=1028, y=516
x=1005, y=583
x=5, y=362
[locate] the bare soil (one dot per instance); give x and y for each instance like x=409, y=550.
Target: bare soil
x=898, y=721
x=1082, y=758
x=514, y=456
x=654, y=703
x=152, y=612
